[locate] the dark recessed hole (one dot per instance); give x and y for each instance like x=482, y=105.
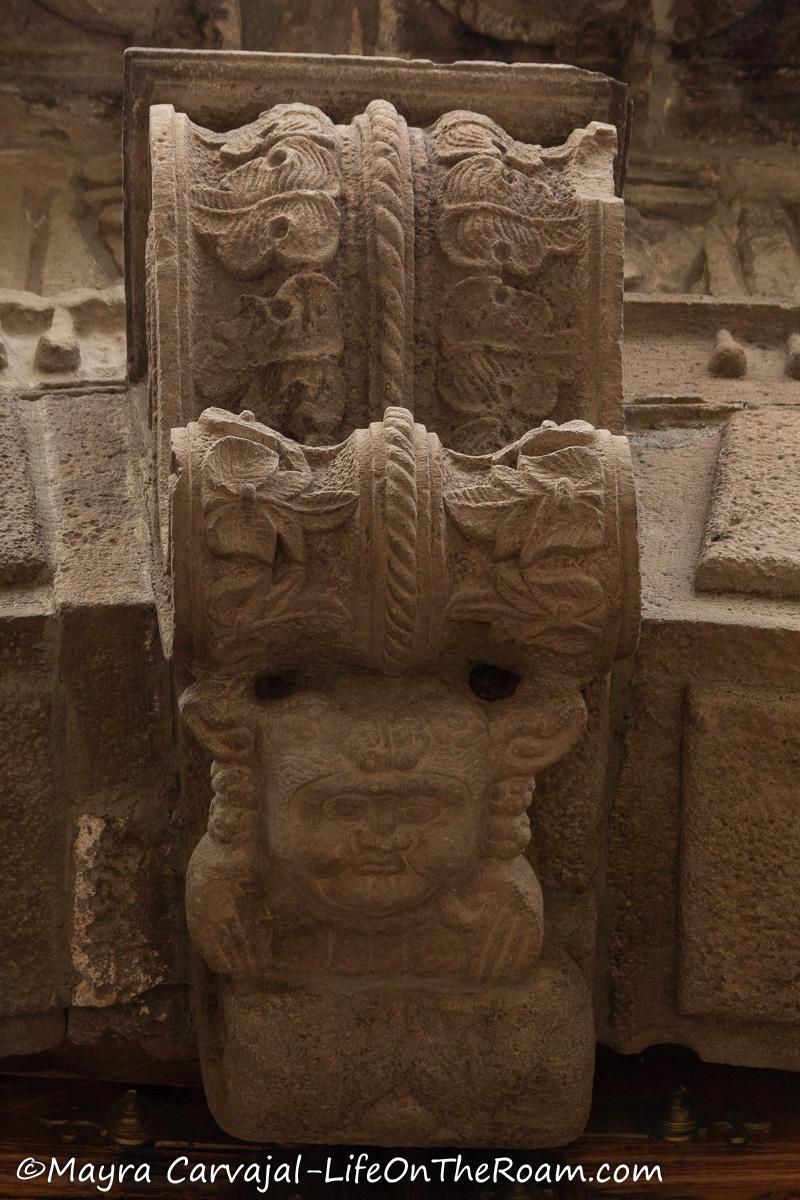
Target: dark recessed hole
x=489, y=682
x=275, y=687
x=279, y=227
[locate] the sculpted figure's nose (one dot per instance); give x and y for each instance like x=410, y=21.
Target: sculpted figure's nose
x=381, y=826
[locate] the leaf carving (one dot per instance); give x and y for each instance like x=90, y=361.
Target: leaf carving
x=323, y=509
x=233, y=461
x=295, y=229
x=241, y=531
x=292, y=164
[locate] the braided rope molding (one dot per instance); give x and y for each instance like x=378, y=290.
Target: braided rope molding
x=387, y=169
x=401, y=539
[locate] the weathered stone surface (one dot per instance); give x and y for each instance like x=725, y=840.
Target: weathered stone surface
x=100, y=536
x=750, y=542
x=32, y=1033
x=35, y=826
x=740, y=873
x=651, y=948
x=674, y=339
x=23, y=557
x=702, y=643
x=90, y=889
x=62, y=340
x=610, y=36
x=569, y=804
x=68, y=46
x=158, y=1022
x=444, y=1082
x=531, y=104
x=354, y=854
x=435, y=615
x=484, y=252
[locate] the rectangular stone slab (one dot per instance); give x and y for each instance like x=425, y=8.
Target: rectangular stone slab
x=751, y=541
x=740, y=873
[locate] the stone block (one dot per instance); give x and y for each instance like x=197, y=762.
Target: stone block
x=32, y=1033
x=694, y=643
x=126, y=930
x=154, y=1026
x=740, y=870
x=658, y=826
x=512, y=1068
x=23, y=556
x=750, y=543
x=101, y=537
x=34, y=822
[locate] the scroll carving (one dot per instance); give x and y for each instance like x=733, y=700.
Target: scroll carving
x=274, y=217
x=508, y=335
x=481, y=253
x=383, y=632
x=421, y=542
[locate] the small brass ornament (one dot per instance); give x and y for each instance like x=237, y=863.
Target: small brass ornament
x=130, y=1121
x=677, y=1122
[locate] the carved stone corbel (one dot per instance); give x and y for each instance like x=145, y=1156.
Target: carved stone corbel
x=381, y=641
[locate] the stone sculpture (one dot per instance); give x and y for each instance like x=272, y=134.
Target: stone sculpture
x=382, y=641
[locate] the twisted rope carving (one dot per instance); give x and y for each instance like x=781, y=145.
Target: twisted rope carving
x=401, y=538
x=385, y=168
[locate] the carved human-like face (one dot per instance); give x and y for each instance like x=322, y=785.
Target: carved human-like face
x=374, y=845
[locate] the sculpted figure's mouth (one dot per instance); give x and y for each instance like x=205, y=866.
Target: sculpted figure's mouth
x=378, y=865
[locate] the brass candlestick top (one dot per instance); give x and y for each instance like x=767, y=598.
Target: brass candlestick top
x=677, y=1122
x=130, y=1121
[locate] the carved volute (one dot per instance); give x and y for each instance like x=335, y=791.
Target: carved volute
x=392, y=576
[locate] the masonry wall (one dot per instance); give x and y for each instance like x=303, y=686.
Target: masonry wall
x=698, y=937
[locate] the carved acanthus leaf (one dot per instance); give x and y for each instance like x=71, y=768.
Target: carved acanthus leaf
x=294, y=164
x=549, y=502
x=281, y=121
x=297, y=229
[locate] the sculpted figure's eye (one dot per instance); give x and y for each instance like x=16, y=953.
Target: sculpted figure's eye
x=488, y=682
x=345, y=808
x=419, y=808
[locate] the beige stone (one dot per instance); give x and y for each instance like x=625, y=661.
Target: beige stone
x=34, y=828
x=644, y=883
x=531, y=104
x=507, y=1067
x=91, y=886
x=750, y=542
x=389, y=850
x=23, y=556
x=740, y=932
x=433, y=615
x=62, y=340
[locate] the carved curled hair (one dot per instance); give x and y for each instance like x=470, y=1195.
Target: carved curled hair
x=508, y=829
x=211, y=710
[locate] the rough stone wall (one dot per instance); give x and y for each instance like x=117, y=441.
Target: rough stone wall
x=698, y=939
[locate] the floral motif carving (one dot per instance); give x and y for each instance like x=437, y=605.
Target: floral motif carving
x=543, y=519
x=418, y=541
x=348, y=593
x=261, y=502
x=505, y=210
x=276, y=209
x=277, y=205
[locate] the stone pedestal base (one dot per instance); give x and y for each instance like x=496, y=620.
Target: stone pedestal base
x=402, y=1065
